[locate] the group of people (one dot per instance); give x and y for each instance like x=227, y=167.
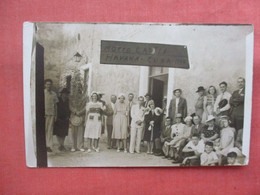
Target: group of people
x=210, y=136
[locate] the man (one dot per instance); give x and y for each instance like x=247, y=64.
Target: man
x=148, y=97
x=165, y=136
x=192, y=151
x=222, y=106
x=178, y=135
x=110, y=116
x=237, y=105
x=50, y=100
x=177, y=105
x=198, y=126
x=130, y=104
x=137, y=114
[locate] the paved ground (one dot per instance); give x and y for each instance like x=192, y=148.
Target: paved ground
x=104, y=158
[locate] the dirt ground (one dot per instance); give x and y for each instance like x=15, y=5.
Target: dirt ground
x=105, y=158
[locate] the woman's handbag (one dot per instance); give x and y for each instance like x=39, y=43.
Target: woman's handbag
x=76, y=120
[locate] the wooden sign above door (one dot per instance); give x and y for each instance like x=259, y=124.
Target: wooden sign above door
x=144, y=54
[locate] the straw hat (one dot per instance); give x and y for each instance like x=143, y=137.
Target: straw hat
x=158, y=111
x=188, y=118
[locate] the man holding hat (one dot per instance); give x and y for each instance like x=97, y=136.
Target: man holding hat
x=177, y=105
x=222, y=106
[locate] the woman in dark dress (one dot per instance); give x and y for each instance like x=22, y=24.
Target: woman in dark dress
x=61, y=125
x=152, y=121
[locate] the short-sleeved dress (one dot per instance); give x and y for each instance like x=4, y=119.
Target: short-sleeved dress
x=94, y=122
x=121, y=112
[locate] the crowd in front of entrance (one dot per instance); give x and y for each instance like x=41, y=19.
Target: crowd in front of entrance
x=210, y=136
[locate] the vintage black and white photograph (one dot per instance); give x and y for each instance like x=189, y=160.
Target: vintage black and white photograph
x=137, y=94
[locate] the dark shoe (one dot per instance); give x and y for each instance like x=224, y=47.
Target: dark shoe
x=165, y=157
x=49, y=149
x=158, y=154
x=176, y=161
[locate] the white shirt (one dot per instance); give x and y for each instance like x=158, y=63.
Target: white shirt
x=137, y=114
x=206, y=158
x=113, y=105
x=226, y=95
x=177, y=103
x=199, y=147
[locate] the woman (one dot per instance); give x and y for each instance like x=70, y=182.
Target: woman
x=77, y=107
x=210, y=131
x=188, y=129
x=121, y=112
x=210, y=101
x=61, y=126
x=201, y=103
x=94, y=123
x=152, y=126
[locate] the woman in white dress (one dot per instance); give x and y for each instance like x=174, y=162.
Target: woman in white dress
x=93, y=122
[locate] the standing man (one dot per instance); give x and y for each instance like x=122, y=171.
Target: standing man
x=130, y=104
x=137, y=114
x=237, y=105
x=222, y=106
x=50, y=100
x=110, y=116
x=148, y=97
x=177, y=105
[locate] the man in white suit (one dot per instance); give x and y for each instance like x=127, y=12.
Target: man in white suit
x=137, y=113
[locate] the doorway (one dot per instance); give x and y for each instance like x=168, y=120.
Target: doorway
x=158, y=88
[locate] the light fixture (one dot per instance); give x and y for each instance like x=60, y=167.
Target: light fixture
x=77, y=57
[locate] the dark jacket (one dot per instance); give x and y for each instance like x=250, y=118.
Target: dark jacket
x=182, y=108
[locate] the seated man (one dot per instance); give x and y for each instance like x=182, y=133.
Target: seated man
x=198, y=126
x=176, y=135
x=179, y=135
x=165, y=135
x=208, y=157
x=192, y=151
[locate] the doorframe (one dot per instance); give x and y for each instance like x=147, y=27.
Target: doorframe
x=144, y=83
